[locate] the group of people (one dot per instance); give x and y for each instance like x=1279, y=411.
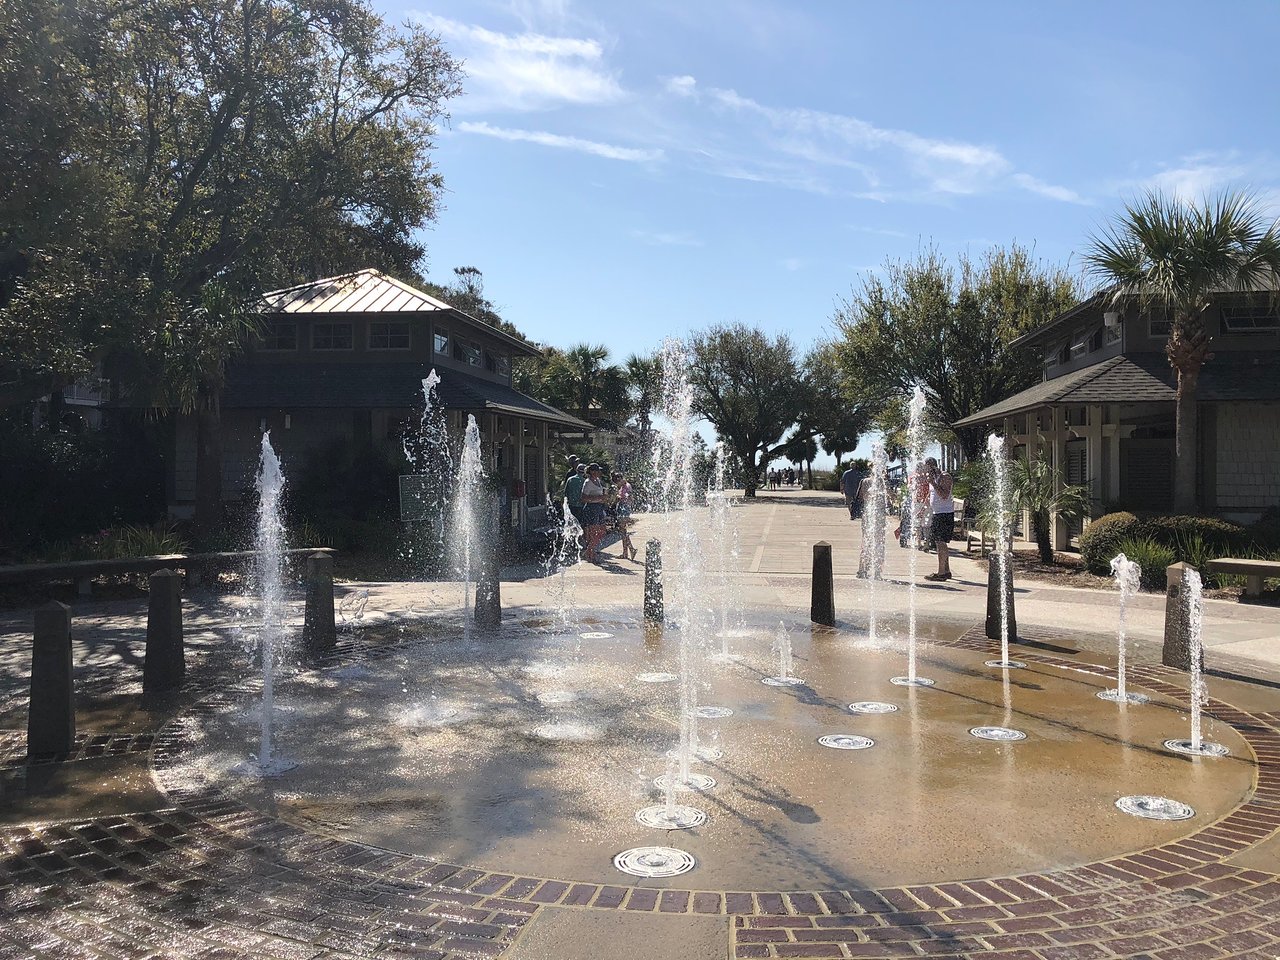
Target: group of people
x=775, y=479
x=599, y=505
x=926, y=512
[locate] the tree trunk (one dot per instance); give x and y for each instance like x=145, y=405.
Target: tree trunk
x=1044, y=538
x=809, y=467
x=1187, y=350
x=749, y=481
x=1185, y=444
x=208, y=511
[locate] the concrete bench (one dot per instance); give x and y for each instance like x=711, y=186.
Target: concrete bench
x=1254, y=571
x=82, y=572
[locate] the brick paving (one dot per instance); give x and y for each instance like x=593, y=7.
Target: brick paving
x=210, y=878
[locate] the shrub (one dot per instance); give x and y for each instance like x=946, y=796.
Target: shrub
x=62, y=488
x=1151, y=555
x=1099, y=543
x=1222, y=535
x=1265, y=531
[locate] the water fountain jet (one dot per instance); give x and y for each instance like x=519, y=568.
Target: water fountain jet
x=1128, y=577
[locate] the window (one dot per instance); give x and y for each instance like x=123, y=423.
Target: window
x=280, y=335
x=468, y=351
x=1095, y=340
x=1112, y=333
x=1249, y=318
x=442, y=342
x=504, y=365
x=331, y=336
x=1159, y=324
x=1051, y=357
x=1079, y=346
x=389, y=335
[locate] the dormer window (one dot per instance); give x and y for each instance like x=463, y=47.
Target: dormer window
x=279, y=335
x=468, y=352
x=389, y=335
x=504, y=365
x=442, y=342
x=331, y=336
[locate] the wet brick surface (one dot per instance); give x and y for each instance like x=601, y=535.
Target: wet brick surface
x=209, y=878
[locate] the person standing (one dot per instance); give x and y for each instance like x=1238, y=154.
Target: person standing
x=942, y=517
x=593, y=501
x=622, y=511
x=573, y=492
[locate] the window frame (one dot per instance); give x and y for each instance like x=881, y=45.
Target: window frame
x=1257, y=311
x=408, y=336
x=270, y=333
x=471, y=353
x=351, y=336
x=439, y=349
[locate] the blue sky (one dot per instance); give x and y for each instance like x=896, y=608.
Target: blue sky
x=625, y=171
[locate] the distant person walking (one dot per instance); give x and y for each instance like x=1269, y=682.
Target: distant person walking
x=942, y=517
x=850, y=483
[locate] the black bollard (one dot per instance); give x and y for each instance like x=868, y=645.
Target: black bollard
x=1177, y=620
x=165, y=663
x=1000, y=594
x=319, y=629
x=653, y=609
x=51, y=718
x=488, y=608
x=822, y=604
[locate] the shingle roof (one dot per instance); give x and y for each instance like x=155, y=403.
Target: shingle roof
x=371, y=291
x=367, y=386
x=1142, y=378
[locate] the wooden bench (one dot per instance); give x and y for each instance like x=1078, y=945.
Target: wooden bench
x=1254, y=571
x=82, y=572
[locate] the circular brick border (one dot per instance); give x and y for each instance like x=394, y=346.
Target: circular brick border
x=1024, y=911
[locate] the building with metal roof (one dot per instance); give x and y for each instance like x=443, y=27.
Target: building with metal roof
x=1104, y=411
x=343, y=358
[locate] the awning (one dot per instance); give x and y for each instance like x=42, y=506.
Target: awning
x=376, y=386
x=1141, y=378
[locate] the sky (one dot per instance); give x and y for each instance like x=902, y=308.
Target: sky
x=623, y=172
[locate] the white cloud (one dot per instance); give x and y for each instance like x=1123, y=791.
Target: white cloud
x=1199, y=175
x=681, y=86
x=665, y=239
x=803, y=149
x=1053, y=192
x=791, y=264
x=526, y=71
x=607, y=150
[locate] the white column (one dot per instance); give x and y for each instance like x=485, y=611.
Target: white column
x=1093, y=454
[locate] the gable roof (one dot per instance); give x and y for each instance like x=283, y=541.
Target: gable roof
x=372, y=291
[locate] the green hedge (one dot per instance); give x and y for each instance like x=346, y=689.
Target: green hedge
x=1100, y=542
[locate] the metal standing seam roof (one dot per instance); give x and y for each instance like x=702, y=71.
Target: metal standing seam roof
x=371, y=291
x=1144, y=378
x=375, y=385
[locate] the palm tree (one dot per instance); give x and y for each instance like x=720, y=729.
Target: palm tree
x=1169, y=253
x=1037, y=488
x=582, y=380
x=644, y=377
